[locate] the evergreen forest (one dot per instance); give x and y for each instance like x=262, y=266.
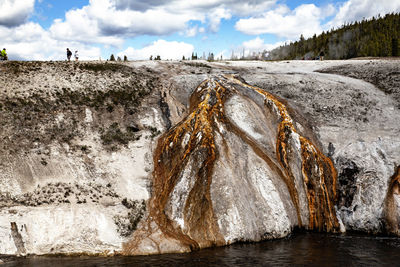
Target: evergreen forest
x=375, y=37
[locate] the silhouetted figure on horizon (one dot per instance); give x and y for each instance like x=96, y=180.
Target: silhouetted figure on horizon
x=321, y=55
x=69, y=54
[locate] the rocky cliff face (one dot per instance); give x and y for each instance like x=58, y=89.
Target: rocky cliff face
x=76, y=155
x=150, y=157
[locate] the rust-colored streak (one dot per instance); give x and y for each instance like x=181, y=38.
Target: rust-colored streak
x=319, y=177
x=284, y=132
x=192, y=141
x=319, y=174
x=391, y=213
x=171, y=158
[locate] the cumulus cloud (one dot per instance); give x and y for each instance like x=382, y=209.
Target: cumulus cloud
x=258, y=45
x=139, y=5
x=305, y=19
x=165, y=49
x=193, y=31
x=308, y=19
x=110, y=22
x=250, y=47
x=150, y=22
x=216, y=16
x=15, y=12
x=126, y=19
x=81, y=25
x=354, y=10
x=31, y=42
x=102, y=22
x=240, y=7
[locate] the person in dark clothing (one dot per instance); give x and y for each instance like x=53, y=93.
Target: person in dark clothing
x=321, y=55
x=69, y=54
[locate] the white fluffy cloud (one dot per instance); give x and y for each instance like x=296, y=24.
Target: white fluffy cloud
x=108, y=21
x=193, y=31
x=15, y=12
x=111, y=22
x=305, y=19
x=31, y=42
x=354, y=10
x=80, y=25
x=308, y=19
x=216, y=16
x=165, y=49
x=102, y=22
x=258, y=45
x=240, y=7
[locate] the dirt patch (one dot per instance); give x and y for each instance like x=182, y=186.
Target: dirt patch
x=43, y=102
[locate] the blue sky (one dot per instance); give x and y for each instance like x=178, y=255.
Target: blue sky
x=46, y=11
x=42, y=29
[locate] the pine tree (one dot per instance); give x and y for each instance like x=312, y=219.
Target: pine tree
x=395, y=47
x=210, y=57
x=112, y=58
x=378, y=36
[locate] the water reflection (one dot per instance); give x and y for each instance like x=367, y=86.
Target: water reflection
x=301, y=249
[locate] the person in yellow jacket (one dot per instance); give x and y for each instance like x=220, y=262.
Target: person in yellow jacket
x=3, y=54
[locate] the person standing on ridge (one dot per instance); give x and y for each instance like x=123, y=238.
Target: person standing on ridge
x=321, y=55
x=3, y=54
x=76, y=55
x=69, y=54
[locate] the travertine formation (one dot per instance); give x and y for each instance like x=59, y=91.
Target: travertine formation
x=157, y=157
x=196, y=178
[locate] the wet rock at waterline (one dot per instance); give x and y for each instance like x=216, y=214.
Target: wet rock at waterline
x=392, y=205
x=156, y=157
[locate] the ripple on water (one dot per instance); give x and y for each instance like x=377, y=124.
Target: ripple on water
x=300, y=249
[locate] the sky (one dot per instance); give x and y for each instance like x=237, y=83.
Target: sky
x=43, y=29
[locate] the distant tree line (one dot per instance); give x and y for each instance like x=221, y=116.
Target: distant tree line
x=155, y=58
x=376, y=37
x=112, y=58
x=195, y=57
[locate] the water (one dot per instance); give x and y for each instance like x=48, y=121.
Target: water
x=300, y=249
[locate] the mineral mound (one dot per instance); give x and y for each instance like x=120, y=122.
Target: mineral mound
x=159, y=157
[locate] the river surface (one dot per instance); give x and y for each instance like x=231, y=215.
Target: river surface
x=309, y=249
